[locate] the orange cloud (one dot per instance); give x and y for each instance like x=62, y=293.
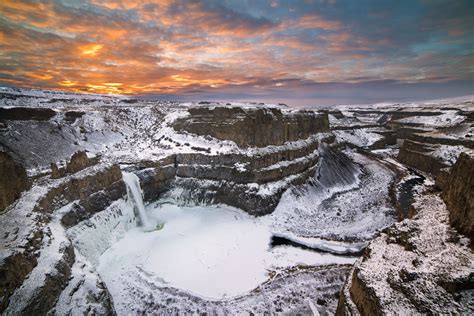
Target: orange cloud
x=90, y=49
x=166, y=47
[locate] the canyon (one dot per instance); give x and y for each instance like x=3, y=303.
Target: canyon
x=116, y=205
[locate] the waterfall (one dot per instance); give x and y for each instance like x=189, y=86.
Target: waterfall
x=134, y=193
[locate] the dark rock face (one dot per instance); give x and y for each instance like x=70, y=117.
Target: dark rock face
x=108, y=180
x=72, y=116
x=364, y=298
x=243, y=196
x=429, y=138
x=156, y=181
x=95, y=190
x=26, y=114
x=417, y=155
x=234, y=178
x=13, y=271
x=253, y=127
x=459, y=194
x=13, y=180
x=47, y=295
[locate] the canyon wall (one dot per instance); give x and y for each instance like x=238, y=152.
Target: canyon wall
x=417, y=155
x=285, y=151
x=13, y=180
x=458, y=194
x=253, y=127
x=93, y=189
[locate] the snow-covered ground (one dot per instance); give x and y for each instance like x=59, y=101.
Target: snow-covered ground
x=212, y=251
x=448, y=118
x=362, y=137
x=449, y=154
x=200, y=258
x=351, y=208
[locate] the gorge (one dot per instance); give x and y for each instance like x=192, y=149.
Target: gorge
x=115, y=205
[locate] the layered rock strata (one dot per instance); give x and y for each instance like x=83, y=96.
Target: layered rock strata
x=251, y=179
x=253, y=127
x=29, y=227
x=417, y=155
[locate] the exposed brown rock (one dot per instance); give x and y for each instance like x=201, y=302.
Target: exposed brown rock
x=253, y=127
x=78, y=162
x=459, y=194
x=13, y=271
x=417, y=155
x=363, y=296
x=437, y=138
x=46, y=296
x=230, y=178
x=13, y=180
x=55, y=173
x=81, y=188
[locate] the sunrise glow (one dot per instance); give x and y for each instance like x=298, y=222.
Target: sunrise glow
x=258, y=49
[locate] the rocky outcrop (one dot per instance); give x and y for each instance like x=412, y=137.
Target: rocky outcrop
x=253, y=127
x=45, y=296
x=458, y=194
x=251, y=179
x=78, y=162
x=417, y=155
x=95, y=192
x=94, y=189
x=255, y=200
x=13, y=180
x=415, y=266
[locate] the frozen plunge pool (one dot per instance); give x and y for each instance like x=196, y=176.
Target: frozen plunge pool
x=213, y=252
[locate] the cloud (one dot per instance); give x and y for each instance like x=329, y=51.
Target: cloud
x=192, y=47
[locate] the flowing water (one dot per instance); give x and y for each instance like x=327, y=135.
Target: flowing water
x=134, y=194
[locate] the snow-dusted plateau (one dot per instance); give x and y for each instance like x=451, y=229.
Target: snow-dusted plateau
x=115, y=205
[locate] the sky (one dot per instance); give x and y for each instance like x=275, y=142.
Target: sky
x=305, y=52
